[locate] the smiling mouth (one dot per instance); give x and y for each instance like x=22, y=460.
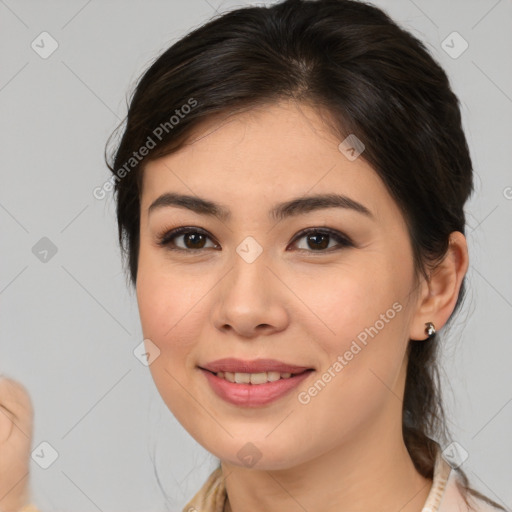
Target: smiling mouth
x=256, y=378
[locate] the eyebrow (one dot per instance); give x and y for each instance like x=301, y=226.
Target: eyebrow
x=293, y=207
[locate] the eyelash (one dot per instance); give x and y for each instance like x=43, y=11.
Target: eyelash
x=165, y=239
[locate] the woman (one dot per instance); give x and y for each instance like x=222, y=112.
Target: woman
x=290, y=189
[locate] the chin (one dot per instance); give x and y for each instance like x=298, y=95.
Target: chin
x=259, y=456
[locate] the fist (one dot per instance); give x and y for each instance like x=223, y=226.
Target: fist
x=16, y=428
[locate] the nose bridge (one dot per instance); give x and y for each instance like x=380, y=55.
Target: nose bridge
x=250, y=250
x=246, y=299
x=250, y=267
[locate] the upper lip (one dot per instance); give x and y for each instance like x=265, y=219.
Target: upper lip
x=234, y=365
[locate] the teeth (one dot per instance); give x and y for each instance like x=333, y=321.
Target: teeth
x=227, y=375
x=253, y=378
x=242, y=378
x=259, y=378
x=273, y=376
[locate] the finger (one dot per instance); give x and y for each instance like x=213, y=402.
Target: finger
x=16, y=405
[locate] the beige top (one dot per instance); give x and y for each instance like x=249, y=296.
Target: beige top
x=444, y=495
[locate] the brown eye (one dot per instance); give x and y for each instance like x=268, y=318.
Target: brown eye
x=319, y=239
x=195, y=240
x=192, y=239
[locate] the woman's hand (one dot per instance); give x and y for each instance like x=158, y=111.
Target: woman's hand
x=16, y=427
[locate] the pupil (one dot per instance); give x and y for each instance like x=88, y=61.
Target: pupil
x=322, y=245
x=194, y=237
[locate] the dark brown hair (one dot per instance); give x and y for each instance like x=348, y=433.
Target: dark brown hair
x=368, y=77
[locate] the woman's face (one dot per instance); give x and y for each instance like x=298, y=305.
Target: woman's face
x=250, y=286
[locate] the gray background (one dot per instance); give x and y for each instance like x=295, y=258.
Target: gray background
x=70, y=325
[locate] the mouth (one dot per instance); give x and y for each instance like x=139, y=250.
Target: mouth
x=256, y=366
x=253, y=383
x=256, y=378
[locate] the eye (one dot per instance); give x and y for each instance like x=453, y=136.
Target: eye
x=193, y=238
x=318, y=239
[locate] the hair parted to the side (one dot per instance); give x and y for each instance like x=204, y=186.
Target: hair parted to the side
x=366, y=76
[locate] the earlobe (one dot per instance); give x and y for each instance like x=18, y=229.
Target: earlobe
x=441, y=291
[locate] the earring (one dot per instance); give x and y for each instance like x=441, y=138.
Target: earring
x=430, y=329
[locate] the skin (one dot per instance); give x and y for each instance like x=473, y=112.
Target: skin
x=16, y=429
x=344, y=450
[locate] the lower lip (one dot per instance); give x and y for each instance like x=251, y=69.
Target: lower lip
x=253, y=395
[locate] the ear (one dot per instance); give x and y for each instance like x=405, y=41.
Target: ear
x=439, y=294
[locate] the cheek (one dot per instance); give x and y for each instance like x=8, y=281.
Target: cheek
x=339, y=303
x=171, y=313
x=169, y=300
x=357, y=318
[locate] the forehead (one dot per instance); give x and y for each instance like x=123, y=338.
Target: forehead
x=286, y=128
x=267, y=153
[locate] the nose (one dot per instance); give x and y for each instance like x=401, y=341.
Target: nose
x=251, y=300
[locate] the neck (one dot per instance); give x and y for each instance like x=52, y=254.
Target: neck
x=371, y=473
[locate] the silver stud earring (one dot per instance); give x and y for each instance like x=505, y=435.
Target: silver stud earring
x=430, y=329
